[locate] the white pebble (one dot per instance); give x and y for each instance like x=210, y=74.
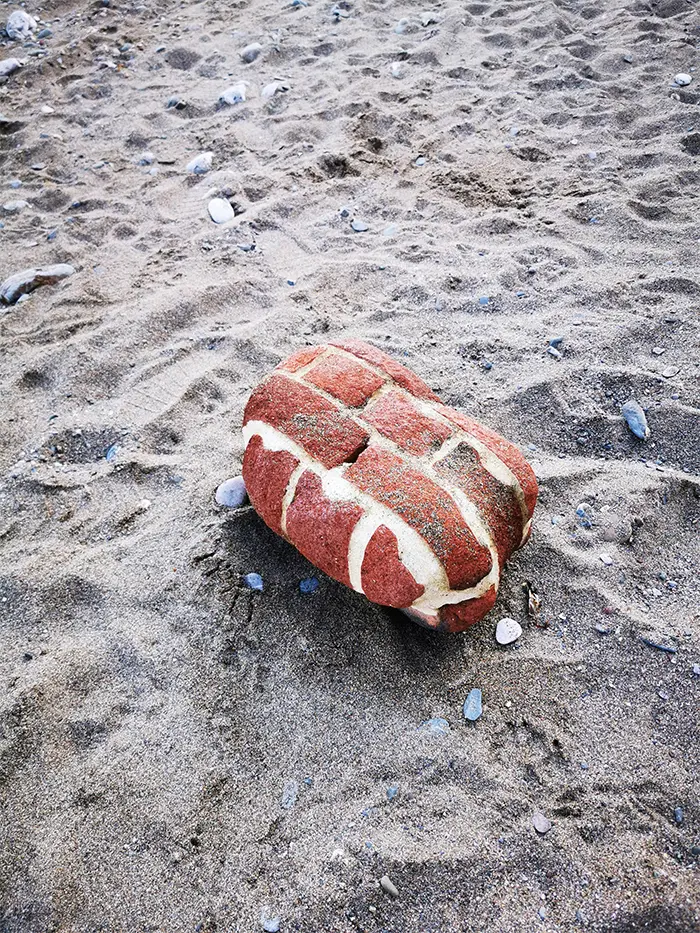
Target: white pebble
x=682, y=79
x=275, y=87
x=8, y=65
x=231, y=493
x=20, y=25
x=395, y=68
x=507, y=631
x=607, y=559
x=220, y=211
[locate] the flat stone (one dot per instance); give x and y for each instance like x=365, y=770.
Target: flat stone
x=359, y=226
x=232, y=493
x=289, y=794
x=507, y=631
x=606, y=559
x=436, y=726
x=541, y=823
x=21, y=283
x=472, y=705
x=220, y=210
x=682, y=79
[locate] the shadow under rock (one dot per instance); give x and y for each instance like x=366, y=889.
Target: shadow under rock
x=334, y=627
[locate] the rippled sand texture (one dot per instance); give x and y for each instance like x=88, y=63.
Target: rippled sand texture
x=152, y=709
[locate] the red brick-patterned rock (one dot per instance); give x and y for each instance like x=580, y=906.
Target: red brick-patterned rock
x=266, y=474
x=323, y=430
x=426, y=508
x=401, y=376
x=498, y=504
x=424, y=535
x=504, y=450
x=348, y=381
x=321, y=528
x=396, y=417
x=385, y=580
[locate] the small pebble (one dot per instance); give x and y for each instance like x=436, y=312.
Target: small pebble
x=542, y=913
x=220, y=210
x=556, y=342
x=389, y=886
x=483, y=300
x=231, y=493
x=678, y=815
x=636, y=419
x=271, y=925
x=606, y=559
x=392, y=792
x=201, y=164
x=253, y=581
x=146, y=158
x=289, y=794
x=421, y=160
x=359, y=226
x=472, y=705
x=395, y=69
x=310, y=585
x=507, y=631
x=682, y=79
x=8, y=66
x=554, y=352
x=602, y=629
x=541, y=823
x=15, y=183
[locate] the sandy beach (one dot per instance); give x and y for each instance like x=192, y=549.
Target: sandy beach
x=501, y=195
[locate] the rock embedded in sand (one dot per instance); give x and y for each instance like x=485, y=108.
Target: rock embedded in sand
x=271, y=924
x=436, y=726
x=389, y=886
x=636, y=419
x=682, y=79
x=251, y=52
x=20, y=25
x=201, y=164
x=233, y=95
x=220, y=210
x=253, y=581
x=507, y=631
x=354, y=460
x=541, y=823
x=21, y=283
x=231, y=493
x=359, y=226
x=8, y=66
x=472, y=705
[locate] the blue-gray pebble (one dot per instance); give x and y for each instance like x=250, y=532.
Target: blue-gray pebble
x=472, y=705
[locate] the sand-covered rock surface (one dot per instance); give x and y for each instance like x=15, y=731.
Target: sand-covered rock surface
x=459, y=184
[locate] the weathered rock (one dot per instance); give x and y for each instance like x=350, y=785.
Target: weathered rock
x=231, y=493
x=21, y=283
x=20, y=25
x=384, y=488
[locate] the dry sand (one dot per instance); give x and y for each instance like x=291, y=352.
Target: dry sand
x=152, y=709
